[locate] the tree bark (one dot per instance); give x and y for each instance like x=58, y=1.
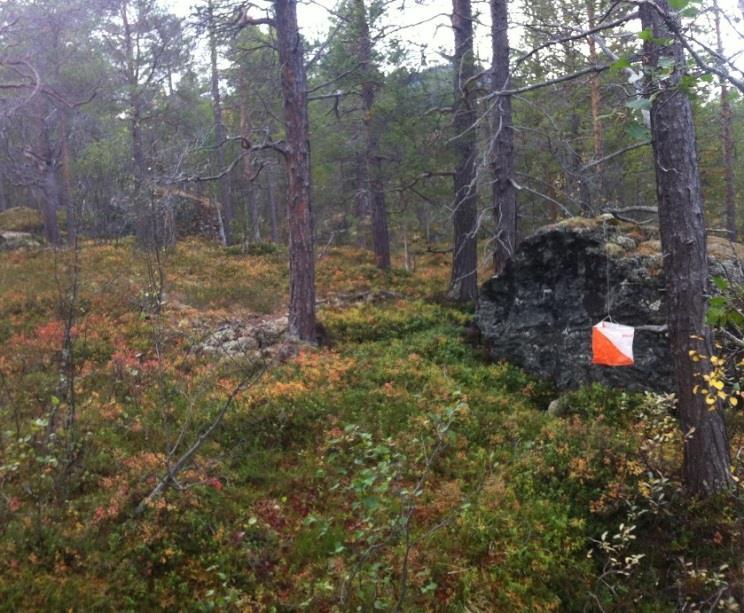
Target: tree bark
x=361, y=200
x=249, y=167
x=727, y=140
x=3, y=193
x=682, y=229
x=596, y=100
x=372, y=176
x=46, y=161
x=576, y=180
x=300, y=219
x=271, y=203
x=144, y=222
x=51, y=204
x=502, y=145
x=65, y=191
x=464, y=279
x=225, y=199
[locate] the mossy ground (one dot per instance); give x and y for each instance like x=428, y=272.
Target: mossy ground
x=394, y=468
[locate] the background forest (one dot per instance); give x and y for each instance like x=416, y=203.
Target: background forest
x=148, y=101
x=172, y=439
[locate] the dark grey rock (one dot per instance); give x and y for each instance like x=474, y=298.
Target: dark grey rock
x=539, y=312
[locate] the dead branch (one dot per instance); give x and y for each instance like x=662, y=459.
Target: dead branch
x=576, y=36
x=525, y=188
x=617, y=153
x=528, y=88
x=170, y=477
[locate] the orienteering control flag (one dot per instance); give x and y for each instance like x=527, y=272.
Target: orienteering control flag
x=612, y=344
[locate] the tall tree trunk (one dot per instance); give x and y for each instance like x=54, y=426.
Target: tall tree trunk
x=138, y=149
x=682, y=229
x=271, y=203
x=3, y=193
x=51, y=205
x=145, y=221
x=361, y=200
x=49, y=180
x=146, y=217
x=464, y=280
x=65, y=199
x=596, y=100
x=576, y=180
x=380, y=229
x=249, y=167
x=502, y=145
x=727, y=139
x=225, y=199
x=297, y=130
x=372, y=177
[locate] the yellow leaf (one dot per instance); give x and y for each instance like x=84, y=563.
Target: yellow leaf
x=710, y=400
x=733, y=401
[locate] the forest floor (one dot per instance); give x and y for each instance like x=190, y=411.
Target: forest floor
x=392, y=469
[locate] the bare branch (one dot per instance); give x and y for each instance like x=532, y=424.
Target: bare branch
x=615, y=154
x=525, y=188
x=576, y=36
x=528, y=88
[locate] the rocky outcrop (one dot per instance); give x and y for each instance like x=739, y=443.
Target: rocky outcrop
x=248, y=340
x=10, y=241
x=539, y=312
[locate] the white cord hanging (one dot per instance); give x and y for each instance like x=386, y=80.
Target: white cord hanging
x=612, y=343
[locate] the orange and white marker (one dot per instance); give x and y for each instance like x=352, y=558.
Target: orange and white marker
x=612, y=344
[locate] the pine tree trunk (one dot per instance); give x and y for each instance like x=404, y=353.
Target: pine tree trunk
x=380, y=230
x=576, y=180
x=596, y=100
x=225, y=200
x=145, y=219
x=727, y=140
x=249, y=167
x=271, y=203
x=464, y=279
x=707, y=460
x=372, y=176
x=65, y=199
x=51, y=204
x=300, y=219
x=49, y=179
x=361, y=200
x=3, y=193
x=502, y=146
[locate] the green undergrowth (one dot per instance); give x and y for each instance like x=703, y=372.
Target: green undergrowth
x=396, y=468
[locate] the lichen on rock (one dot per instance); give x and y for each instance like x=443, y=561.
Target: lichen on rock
x=10, y=241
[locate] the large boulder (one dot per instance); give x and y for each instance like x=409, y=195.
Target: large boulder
x=539, y=312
